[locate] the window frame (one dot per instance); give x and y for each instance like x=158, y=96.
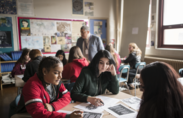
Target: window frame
x=161, y=28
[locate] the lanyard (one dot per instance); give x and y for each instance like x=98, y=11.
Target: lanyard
x=86, y=44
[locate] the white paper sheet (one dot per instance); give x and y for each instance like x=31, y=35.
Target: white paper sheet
x=107, y=102
x=120, y=111
x=63, y=111
x=133, y=102
x=20, y=76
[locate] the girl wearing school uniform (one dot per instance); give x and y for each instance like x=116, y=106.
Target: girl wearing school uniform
x=162, y=93
x=20, y=65
x=61, y=55
x=44, y=93
x=95, y=79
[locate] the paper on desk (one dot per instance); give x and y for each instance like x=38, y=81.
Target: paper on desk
x=121, y=111
x=20, y=76
x=107, y=102
x=63, y=111
x=133, y=102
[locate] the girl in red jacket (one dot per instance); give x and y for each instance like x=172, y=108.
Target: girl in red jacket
x=20, y=65
x=76, y=62
x=44, y=93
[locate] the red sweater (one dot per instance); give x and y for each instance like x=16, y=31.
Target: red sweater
x=35, y=96
x=73, y=69
x=17, y=69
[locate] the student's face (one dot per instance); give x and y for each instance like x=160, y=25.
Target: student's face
x=54, y=75
x=25, y=24
x=103, y=65
x=130, y=48
x=84, y=34
x=61, y=57
x=27, y=58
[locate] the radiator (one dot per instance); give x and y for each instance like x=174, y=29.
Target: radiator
x=176, y=64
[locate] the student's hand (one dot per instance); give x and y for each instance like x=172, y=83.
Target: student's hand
x=112, y=69
x=76, y=114
x=95, y=101
x=48, y=107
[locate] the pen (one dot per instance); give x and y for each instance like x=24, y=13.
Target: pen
x=102, y=102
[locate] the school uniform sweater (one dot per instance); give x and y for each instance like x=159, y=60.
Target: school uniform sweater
x=17, y=69
x=31, y=68
x=89, y=85
x=73, y=69
x=35, y=96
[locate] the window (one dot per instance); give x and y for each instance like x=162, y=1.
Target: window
x=170, y=29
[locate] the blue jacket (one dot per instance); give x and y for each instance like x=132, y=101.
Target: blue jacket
x=95, y=44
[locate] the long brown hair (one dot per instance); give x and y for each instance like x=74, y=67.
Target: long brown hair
x=135, y=49
x=162, y=90
x=22, y=59
x=110, y=48
x=75, y=53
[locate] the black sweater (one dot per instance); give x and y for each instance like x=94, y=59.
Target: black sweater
x=31, y=68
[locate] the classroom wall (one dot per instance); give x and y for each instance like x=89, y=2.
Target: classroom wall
x=135, y=15
x=63, y=9
x=153, y=51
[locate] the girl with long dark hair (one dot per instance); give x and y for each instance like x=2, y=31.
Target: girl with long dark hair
x=162, y=93
x=61, y=55
x=95, y=79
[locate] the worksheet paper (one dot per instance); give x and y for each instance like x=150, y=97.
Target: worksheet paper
x=20, y=76
x=133, y=102
x=107, y=102
x=121, y=111
x=85, y=114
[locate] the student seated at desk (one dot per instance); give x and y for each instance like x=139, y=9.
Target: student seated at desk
x=32, y=66
x=20, y=65
x=95, y=79
x=61, y=55
x=133, y=58
x=162, y=94
x=76, y=62
x=44, y=93
x=116, y=56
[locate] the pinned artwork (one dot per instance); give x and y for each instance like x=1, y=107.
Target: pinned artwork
x=77, y=7
x=61, y=40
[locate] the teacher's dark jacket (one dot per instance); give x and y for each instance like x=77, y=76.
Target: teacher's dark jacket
x=89, y=85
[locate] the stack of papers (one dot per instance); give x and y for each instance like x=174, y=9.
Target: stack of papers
x=7, y=79
x=107, y=102
x=133, y=102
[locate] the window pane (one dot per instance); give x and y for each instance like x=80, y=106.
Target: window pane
x=173, y=36
x=173, y=12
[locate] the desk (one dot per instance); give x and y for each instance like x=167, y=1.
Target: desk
x=70, y=107
x=19, y=82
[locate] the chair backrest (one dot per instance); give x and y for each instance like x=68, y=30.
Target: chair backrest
x=140, y=66
x=181, y=72
x=17, y=99
x=124, y=69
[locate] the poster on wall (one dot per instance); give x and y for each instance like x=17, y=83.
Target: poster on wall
x=8, y=7
x=25, y=7
x=25, y=27
x=98, y=28
x=5, y=39
x=89, y=8
x=77, y=7
x=76, y=26
x=32, y=42
x=5, y=22
x=42, y=27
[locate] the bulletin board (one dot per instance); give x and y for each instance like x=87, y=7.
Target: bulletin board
x=48, y=35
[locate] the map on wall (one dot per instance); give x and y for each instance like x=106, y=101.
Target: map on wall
x=42, y=27
x=8, y=7
x=32, y=42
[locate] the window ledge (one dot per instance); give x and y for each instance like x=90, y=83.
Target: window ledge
x=173, y=49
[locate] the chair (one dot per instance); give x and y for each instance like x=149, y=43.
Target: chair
x=139, y=66
x=181, y=72
x=124, y=69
